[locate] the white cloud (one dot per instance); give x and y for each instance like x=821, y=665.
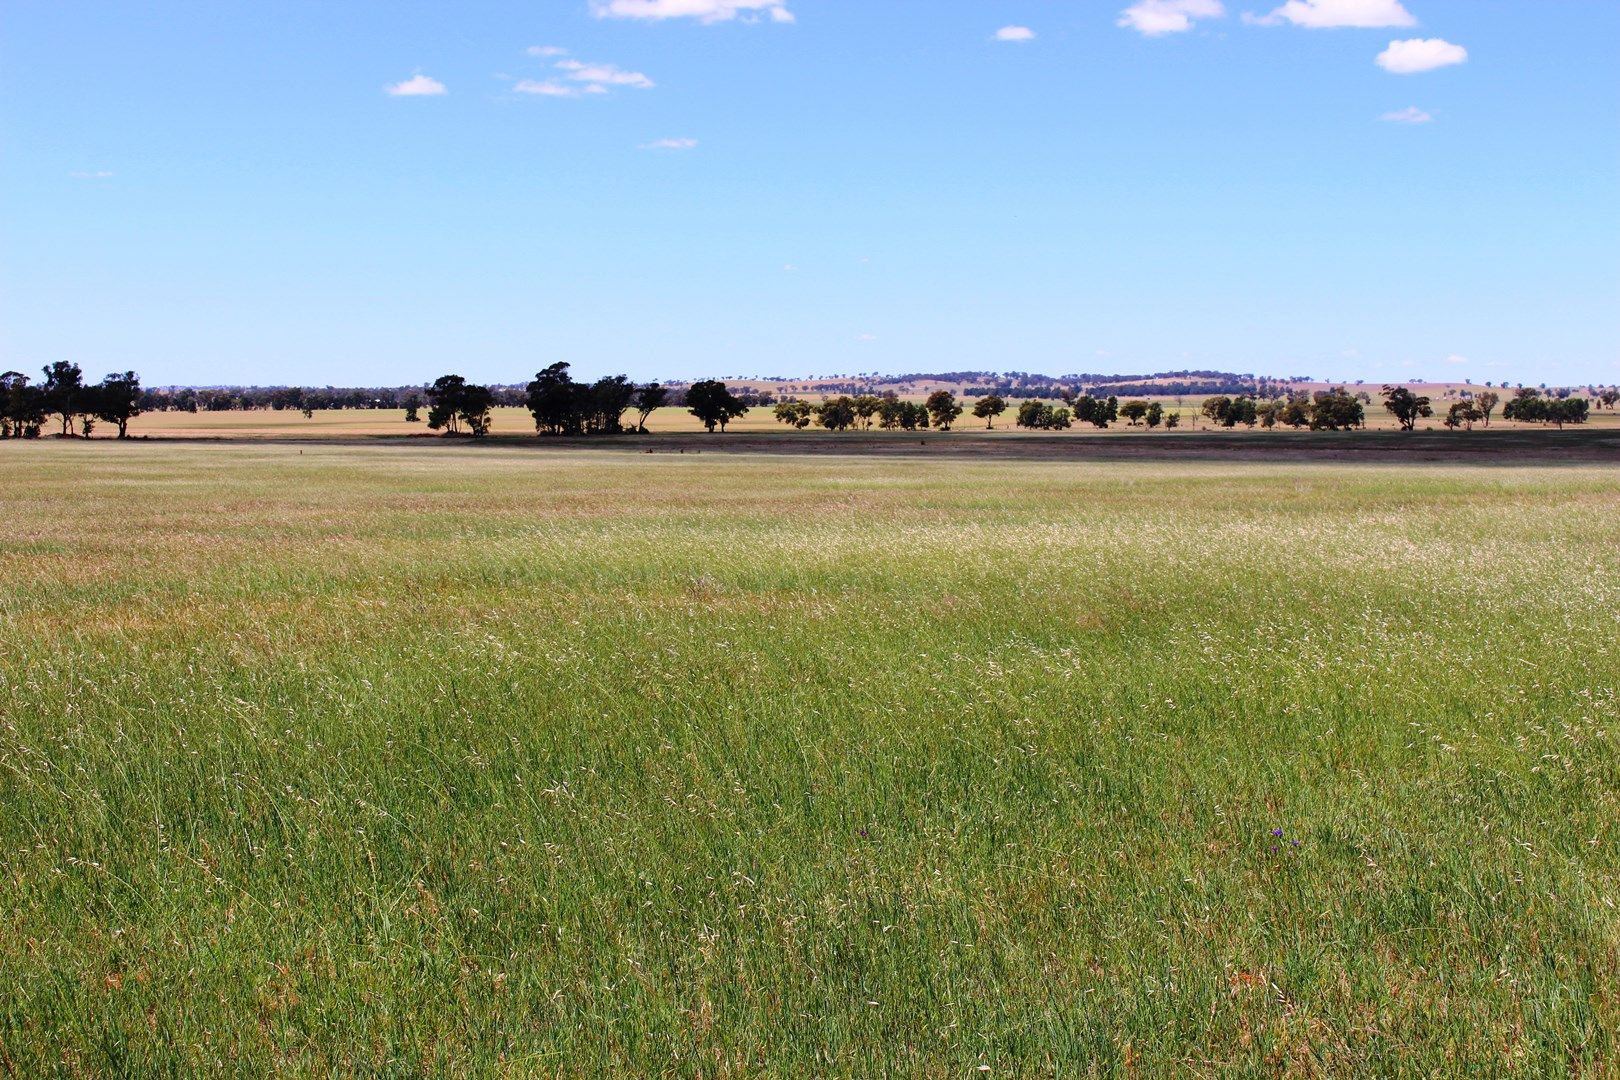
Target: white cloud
x=546, y=50
x=1326, y=14
x=1455, y=358
x=99, y=174
x=603, y=75
x=1155, y=17
x=416, y=86
x=865, y=337
x=580, y=78
x=547, y=88
x=1420, y=54
x=670, y=144
x=1409, y=115
x=1015, y=33
x=708, y=11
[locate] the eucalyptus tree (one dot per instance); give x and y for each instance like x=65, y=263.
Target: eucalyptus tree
x=648, y=398
x=988, y=407
x=1405, y=406
x=943, y=409
x=712, y=403
x=117, y=400
x=63, y=386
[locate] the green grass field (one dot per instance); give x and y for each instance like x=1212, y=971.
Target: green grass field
x=451, y=760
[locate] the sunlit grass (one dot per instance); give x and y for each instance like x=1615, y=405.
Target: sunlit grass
x=517, y=422
x=412, y=761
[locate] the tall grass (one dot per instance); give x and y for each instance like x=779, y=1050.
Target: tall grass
x=443, y=762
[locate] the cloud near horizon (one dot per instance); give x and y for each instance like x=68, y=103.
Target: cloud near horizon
x=1420, y=54
x=1332, y=14
x=708, y=11
x=1152, y=18
x=416, y=86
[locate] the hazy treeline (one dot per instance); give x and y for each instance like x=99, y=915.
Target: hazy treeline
x=1027, y=384
x=1226, y=384
x=296, y=398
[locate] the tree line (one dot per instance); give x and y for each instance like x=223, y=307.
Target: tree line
x=1325, y=410
x=1338, y=410
x=941, y=410
x=887, y=411
x=64, y=397
x=1531, y=407
x=561, y=406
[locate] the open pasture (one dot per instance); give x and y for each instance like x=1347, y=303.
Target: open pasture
x=459, y=760
x=517, y=423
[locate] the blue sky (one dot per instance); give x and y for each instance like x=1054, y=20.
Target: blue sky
x=225, y=192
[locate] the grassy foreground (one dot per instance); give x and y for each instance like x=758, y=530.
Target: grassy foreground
x=449, y=760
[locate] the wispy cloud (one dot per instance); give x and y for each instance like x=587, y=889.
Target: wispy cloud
x=1420, y=54
x=1155, y=17
x=670, y=144
x=416, y=86
x=579, y=78
x=603, y=74
x=546, y=88
x=708, y=11
x=1409, y=115
x=1017, y=34
x=99, y=174
x=1328, y=14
